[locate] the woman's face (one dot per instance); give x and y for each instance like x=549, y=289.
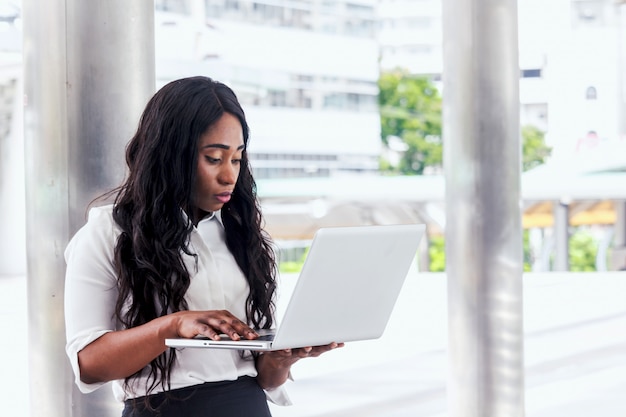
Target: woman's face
x=219, y=160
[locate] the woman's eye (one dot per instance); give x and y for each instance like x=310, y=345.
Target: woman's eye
x=212, y=160
x=237, y=161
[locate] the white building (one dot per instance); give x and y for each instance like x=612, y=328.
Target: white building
x=410, y=36
x=304, y=71
x=585, y=88
x=571, y=70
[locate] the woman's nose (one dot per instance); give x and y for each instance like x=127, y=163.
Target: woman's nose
x=228, y=174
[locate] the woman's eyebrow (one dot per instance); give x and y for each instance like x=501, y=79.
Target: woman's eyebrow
x=222, y=146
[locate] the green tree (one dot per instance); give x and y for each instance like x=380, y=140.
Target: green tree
x=534, y=149
x=410, y=109
x=437, y=254
x=526, y=250
x=290, y=267
x=582, y=251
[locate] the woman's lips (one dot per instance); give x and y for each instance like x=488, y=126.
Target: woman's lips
x=223, y=198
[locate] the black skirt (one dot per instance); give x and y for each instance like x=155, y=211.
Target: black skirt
x=241, y=398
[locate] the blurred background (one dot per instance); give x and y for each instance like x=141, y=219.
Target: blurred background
x=344, y=101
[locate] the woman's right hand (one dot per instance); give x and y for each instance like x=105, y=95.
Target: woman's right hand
x=211, y=324
x=118, y=354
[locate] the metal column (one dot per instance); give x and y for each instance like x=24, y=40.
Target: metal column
x=483, y=216
x=618, y=256
x=88, y=72
x=561, y=236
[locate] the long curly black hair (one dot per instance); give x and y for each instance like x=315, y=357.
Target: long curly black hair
x=162, y=160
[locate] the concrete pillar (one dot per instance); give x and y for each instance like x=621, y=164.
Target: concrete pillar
x=618, y=254
x=483, y=216
x=561, y=236
x=88, y=72
x=620, y=18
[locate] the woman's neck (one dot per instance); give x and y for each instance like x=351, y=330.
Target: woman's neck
x=198, y=215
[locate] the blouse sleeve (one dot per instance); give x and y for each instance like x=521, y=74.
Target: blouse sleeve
x=90, y=287
x=279, y=395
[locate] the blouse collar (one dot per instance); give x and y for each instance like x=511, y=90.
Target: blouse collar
x=214, y=215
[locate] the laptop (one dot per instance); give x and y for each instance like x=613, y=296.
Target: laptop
x=346, y=291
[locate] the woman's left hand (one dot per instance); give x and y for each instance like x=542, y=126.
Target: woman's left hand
x=273, y=367
x=287, y=357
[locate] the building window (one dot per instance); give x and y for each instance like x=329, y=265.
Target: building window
x=591, y=93
x=277, y=98
x=531, y=73
x=174, y=6
x=586, y=13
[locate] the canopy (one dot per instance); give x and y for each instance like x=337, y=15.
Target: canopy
x=295, y=208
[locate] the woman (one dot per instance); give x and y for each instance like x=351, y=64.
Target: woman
x=180, y=253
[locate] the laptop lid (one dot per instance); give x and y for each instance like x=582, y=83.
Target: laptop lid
x=346, y=291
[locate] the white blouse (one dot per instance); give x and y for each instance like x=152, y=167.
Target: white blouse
x=217, y=283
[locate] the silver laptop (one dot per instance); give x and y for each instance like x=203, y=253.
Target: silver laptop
x=346, y=291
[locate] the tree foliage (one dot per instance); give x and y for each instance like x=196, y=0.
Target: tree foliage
x=437, y=254
x=534, y=149
x=410, y=109
x=582, y=251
